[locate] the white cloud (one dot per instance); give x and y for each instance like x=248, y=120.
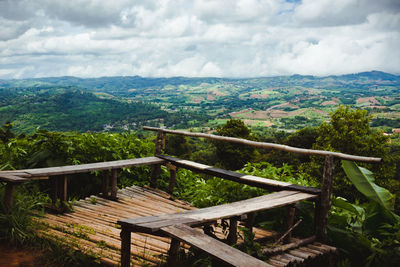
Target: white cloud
x=241, y=38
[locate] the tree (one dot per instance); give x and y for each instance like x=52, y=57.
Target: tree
x=5, y=133
x=234, y=156
x=349, y=132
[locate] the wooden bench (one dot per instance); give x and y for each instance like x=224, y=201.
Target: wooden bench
x=213, y=247
x=164, y=224
x=59, y=178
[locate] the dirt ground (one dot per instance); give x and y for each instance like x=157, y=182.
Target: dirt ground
x=18, y=257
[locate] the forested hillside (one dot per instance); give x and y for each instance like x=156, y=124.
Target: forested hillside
x=284, y=102
x=72, y=109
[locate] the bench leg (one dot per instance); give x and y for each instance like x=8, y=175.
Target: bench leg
x=172, y=181
x=8, y=196
x=232, y=236
x=173, y=252
x=289, y=223
x=125, y=248
x=250, y=221
x=105, y=184
x=114, y=183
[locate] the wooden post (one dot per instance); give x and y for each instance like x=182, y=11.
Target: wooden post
x=155, y=172
x=125, y=247
x=114, y=183
x=289, y=223
x=232, y=236
x=172, y=177
x=322, y=208
x=173, y=252
x=250, y=221
x=105, y=183
x=54, y=189
x=63, y=181
x=8, y=196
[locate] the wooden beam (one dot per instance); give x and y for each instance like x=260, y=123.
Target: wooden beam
x=173, y=252
x=83, y=168
x=114, y=183
x=239, y=177
x=213, y=247
x=289, y=223
x=63, y=181
x=155, y=172
x=172, y=180
x=105, y=183
x=286, y=148
x=125, y=247
x=8, y=196
x=292, y=245
x=232, y=236
x=325, y=199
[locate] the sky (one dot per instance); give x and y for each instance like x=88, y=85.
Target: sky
x=197, y=38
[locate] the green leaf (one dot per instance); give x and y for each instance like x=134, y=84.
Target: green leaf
x=363, y=180
x=345, y=205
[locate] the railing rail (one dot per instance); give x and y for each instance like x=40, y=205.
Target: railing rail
x=311, y=152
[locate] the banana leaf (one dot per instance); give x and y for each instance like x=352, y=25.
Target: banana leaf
x=363, y=180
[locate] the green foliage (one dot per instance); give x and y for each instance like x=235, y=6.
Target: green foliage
x=205, y=191
x=5, y=132
x=49, y=149
x=178, y=146
x=368, y=233
x=363, y=180
x=17, y=226
x=349, y=132
x=234, y=156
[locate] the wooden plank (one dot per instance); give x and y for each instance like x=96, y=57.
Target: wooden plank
x=239, y=177
x=202, y=216
x=92, y=167
x=215, y=248
x=206, y=210
x=10, y=178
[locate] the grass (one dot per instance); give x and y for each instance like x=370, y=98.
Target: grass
x=20, y=229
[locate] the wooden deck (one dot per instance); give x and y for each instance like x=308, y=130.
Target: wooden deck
x=92, y=229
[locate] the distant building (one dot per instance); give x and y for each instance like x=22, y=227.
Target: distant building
x=396, y=130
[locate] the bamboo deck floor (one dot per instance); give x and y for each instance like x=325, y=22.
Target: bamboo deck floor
x=92, y=227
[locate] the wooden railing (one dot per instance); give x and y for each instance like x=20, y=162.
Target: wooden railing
x=59, y=177
x=323, y=204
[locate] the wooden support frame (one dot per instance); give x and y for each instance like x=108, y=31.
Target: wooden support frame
x=173, y=252
x=232, y=236
x=172, y=177
x=325, y=200
x=159, y=146
x=114, y=183
x=289, y=223
x=9, y=196
x=125, y=247
x=105, y=183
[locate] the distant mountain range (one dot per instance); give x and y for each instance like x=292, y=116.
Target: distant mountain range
x=120, y=103
x=121, y=83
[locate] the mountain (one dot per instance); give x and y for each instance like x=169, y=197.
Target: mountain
x=71, y=109
x=286, y=102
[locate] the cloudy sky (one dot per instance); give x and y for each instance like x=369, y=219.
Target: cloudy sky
x=220, y=38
